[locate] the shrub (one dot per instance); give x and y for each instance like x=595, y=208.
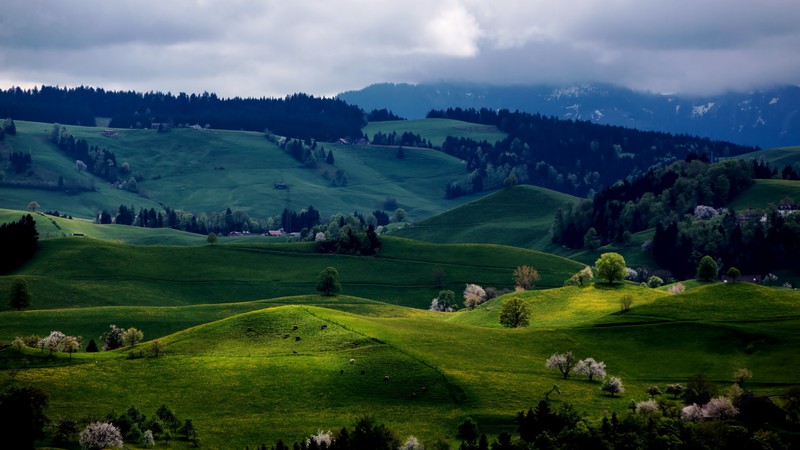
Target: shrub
x=100, y=435
x=625, y=303
x=654, y=282
x=677, y=288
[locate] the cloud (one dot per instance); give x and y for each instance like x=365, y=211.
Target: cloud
x=273, y=48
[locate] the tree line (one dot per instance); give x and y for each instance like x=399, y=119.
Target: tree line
x=298, y=115
x=576, y=157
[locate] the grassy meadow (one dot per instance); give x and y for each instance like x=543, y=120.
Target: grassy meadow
x=267, y=380
x=766, y=192
x=437, y=130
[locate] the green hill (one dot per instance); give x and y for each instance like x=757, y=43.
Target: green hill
x=246, y=366
x=210, y=170
x=437, y=130
x=83, y=272
x=520, y=216
x=778, y=157
x=766, y=192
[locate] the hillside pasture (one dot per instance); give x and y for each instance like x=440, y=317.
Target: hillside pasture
x=437, y=130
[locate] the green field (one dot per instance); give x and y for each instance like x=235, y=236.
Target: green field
x=79, y=272
x=437, y=130
x=766, y=192
x=777, y=157
x=210, y=170
x=261, y=390
x=520, y=216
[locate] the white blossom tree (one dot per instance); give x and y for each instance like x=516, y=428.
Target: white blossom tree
x=412, y=443
x=564, y=362
x=613, y=386
x=648, y=408
x=148, y=441
x=474, y=295
x=100, y=435
x=53, y=341
x=131, y=336
x=692, y=413
x=677, y=288
x=71, y=344
x=720, y=408
x=675, y=390
x=591, y=368
x=322, y=437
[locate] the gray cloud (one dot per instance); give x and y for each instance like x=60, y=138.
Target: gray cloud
x=273, y=48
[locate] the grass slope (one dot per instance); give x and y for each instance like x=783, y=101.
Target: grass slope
x=765, y=192
x=76, y=272
x=778, y=157
x=437, y=130
x=210, y=170
x=520, y=216
x=245, y=365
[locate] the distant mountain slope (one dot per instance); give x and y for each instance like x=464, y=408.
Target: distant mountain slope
x=768, y=118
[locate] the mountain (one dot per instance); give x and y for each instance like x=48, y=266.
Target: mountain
x=767, y=118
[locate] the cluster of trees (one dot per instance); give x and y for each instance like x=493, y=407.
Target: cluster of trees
x=382, y=115
x=54, y=342
x=95, y=160
x=407, y=139
x=576, y=157
x=116, y=337
x=299, y=115
x=293, y=221
x=19, y=241
x=659, y=196
x=19, y=162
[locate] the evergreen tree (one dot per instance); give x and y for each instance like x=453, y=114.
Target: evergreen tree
x=20, y=296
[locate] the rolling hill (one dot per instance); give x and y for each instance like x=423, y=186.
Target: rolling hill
x=211, y=170
x=269, y=380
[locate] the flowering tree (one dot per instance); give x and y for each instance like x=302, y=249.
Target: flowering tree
x=720, y=408
x=676, y=288
x=474, y=295
x=526, y=277
x=112, y=339
x=692, y=413
x=653, y=391
x=563, y=362
x=100, y=435
x=412, y=443
x=148, y=441
x=322, y=437
x=613, y=386
x=19, y=343
x=591, y=368
x=444, y=301
x=53, y=341
x=131, y=336
x=742, y=375
x=71, y=345
x=647, y=408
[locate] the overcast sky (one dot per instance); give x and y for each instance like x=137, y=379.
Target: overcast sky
x=322, y=47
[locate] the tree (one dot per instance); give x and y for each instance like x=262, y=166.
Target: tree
x=157, y=347
x=675, y=390
x=22, y=417
x=625, y=303
x=707, y=269
x=445, y=301
x=613, y=386
x=71, y=345
x=515, y=313
x=591, y=240
x=33, y=206
x=91, y=347
x=439, y=276
x=525, y=277
x=742, y=375
x=53, y=342
x=112, y=339
x=734, y=273
x=591, y=368
x=653, y=391
x=611, y=267
x=9, y=127
x=212, y=238
x=100, y=435
x=563, y=362
x=19, y=297
x=328, y=283
x=131, y=336
x=474, y=295
x=399, y=215
x=654, y=282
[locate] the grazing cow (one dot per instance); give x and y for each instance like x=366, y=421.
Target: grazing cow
x=296, y=338
x=352, y=361
x=323, y=327
x=386, y=378
x=294, y=328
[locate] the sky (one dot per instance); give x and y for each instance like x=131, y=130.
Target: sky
x=272, y=48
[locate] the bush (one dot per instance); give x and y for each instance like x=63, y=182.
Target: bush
x=654, y=282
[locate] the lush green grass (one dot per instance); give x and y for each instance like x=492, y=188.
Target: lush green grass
x=777, y=157
x=80, y=272
x=437, y=130
x=210, y=170
x=766, y=192
x=261, y=390
x=520, y=216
